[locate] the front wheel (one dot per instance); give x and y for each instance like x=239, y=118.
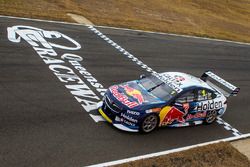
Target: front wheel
x=149, y=123
x=210, y=117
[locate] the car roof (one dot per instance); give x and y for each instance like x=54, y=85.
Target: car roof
x=185, y=81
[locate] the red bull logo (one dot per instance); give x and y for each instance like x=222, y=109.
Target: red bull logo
x=134, y=93
x=168, y=115
x=122, y=98
x=197, y=115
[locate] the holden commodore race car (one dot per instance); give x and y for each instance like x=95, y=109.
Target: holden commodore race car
x=171, y=99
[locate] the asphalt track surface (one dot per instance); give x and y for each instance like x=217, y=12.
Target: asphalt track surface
x=42, y=124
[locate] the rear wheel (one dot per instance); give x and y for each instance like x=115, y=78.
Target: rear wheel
x=149, y=123
x=211, y=116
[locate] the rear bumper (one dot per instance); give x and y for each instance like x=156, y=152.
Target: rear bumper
x=116, y=123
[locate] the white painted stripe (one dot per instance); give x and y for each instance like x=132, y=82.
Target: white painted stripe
x=228, y=127
x=226, y=124
x=236, y=134
x=117, y=162
x=219, y=122
x=235, y=130
x=41, y=20
x=127, y=29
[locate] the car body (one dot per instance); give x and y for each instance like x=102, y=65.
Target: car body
x=172, y=99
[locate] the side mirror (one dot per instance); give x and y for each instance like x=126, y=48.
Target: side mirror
x=142, y=76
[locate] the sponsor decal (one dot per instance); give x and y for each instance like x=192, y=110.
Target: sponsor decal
x=153, y=110
x=39, y=40
x=220, y=80
x=170, y=81
x=170, y=114
x=127, y=122
x=179, y=78
x=209, y=105
x=134, y=93
x=122, y=98
x=133, y=112
x=129, y=118
x=196, y=115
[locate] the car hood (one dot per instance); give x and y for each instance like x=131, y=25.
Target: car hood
x=132, y=96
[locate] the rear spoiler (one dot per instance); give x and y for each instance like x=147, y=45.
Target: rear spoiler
x=220, y=84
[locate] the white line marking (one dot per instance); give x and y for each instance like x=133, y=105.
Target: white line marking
x=40, y=20
x=117, y=162
x=127, y=29
x=220, y=121
x=228, y=127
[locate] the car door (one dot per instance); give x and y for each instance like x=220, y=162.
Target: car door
x=177, y=110
x=185, y=102
x=202, y=96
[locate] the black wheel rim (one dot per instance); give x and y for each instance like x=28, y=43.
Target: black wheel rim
x=211, y=116
x=149, y=123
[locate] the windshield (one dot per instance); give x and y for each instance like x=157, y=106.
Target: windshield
x=157, y=87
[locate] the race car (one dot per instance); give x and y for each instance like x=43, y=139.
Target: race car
x=171, y=99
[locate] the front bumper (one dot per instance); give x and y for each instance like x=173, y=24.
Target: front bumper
x=116, y=121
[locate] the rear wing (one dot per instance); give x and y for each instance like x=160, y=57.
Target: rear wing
x=220, y=84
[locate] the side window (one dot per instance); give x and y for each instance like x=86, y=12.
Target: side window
x=186, y=98
x=204, y=95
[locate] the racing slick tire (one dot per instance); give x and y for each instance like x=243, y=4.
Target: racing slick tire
x=210, y=117
x=149, y=123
